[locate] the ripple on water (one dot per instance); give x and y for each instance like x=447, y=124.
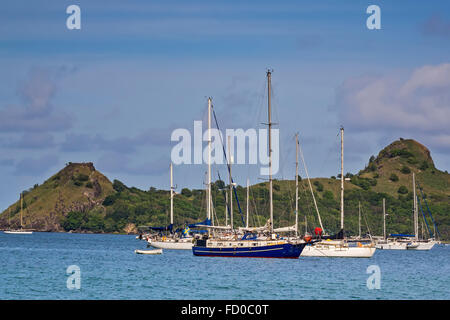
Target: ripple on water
x=34, y=267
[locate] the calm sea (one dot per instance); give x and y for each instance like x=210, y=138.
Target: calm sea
x=35, y=267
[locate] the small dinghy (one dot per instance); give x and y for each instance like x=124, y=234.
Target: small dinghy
x=156, y=251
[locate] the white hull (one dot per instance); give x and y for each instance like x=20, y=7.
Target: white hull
x=156, y=251
x=171, y=245
x=422, y=246
x=392, y=246
x=18, y=232
x=337, y=251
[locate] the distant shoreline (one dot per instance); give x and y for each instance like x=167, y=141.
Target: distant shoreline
x=116, y=233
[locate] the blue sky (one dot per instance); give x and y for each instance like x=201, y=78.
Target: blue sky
x=112, y=92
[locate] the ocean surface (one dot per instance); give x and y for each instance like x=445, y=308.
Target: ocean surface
x=35, y=267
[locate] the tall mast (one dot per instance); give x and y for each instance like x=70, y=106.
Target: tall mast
x=359, y=218
x=384, y=218
x=230, y=160
x=171, y=193
x=296, y=185
x=342, y=178
x=416, y=222
x=311, y=189
x=421, y=223
x=306, y=225
x=21, y=209
x=269, y=76
x=209, y=159
x=206, y=193
x=226, y=207
x=246, y=221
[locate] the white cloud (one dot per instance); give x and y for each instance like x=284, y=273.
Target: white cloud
x=417, y=105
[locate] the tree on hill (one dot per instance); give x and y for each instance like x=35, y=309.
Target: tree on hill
x=119, y=186
x=424, y=165
x=402, y=190
x=393, y=177
x=405, y=170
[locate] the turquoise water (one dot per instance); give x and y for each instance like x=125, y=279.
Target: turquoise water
x=34, y=267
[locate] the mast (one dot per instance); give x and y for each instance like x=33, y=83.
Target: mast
x=416, y=222
x=21, y=209
x=421, y=223
x=306, y=225
x=246, y=221
x=231, y=182
x=269, y=76
x=206, y=193
x=342, y=178
x=226, y=207
x=171, y=193
x=311, y=189
x=359, y=218
x=296, y=185
x=384, y=218
x=209, y=159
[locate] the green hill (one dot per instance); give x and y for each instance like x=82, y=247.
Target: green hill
x=77, y=187
x=80, y=198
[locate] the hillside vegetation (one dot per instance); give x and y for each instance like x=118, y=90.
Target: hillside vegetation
x=81, y=199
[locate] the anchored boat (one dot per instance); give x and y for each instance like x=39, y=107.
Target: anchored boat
x=21, y=230
x=339, y=247
x=154, y=251
x=247, y=249
x=172, y=241
x=272, y=246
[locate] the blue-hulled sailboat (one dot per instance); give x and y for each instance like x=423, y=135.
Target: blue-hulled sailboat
x=271, y=247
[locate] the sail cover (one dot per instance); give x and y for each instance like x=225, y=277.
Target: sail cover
x=285, y=229
x=206, y=222
x=167, y=228
x=401, y=235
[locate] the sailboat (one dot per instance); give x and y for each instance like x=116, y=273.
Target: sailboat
x=339, y=247
x=434, y=236
x=21, y=230
x=418, y=244
x=271, y=246
x=171, y=242
x=393, y=243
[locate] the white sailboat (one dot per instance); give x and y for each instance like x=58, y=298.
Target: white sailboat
x=339, y=248
x=391, y=243
x=171, y=242
x=419, y=244
x=21, y=230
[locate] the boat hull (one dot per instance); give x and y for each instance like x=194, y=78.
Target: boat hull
x=171, y=245
x=155, y=251
x=392, y=246
x=280, y=251
x=422, y=246
x=337, y=251
x=18, y=232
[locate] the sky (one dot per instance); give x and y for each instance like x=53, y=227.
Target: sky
x=112, y=92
